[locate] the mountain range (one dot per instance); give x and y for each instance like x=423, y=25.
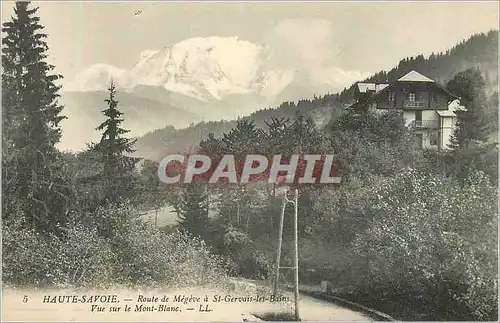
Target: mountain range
x=173, y=97
x=479, y=51
x=198, y=79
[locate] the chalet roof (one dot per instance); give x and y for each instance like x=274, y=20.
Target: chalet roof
x=446, y=113
x=365, y=87
x=414, y=76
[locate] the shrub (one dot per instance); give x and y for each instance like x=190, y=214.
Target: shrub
x=251, y=260
x=146, y=256
x=435, y=239
x=25, y=256
x=194, y=264
x=34, y=259
x=131, y=252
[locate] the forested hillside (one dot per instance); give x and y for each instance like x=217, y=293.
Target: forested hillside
x=479, y=51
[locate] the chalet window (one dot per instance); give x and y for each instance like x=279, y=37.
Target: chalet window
x=411, y=97
x=392, y=96
x=418, y=115
x=433, y=138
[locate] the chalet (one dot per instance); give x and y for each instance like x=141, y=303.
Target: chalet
x=366, y=90
x=425, y=105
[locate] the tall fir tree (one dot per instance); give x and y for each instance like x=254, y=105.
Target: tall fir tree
x=113, y=148
x=192, y=210
x=243, y=139
x=472, y=124
x=31, y=117
x=277, y=135
x=303, y=135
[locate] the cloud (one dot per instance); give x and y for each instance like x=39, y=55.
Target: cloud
x=300, y=52
x=311, y=39
x=310, y=47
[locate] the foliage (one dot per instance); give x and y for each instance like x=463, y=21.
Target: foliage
x=371, y=143
x=479, y=50
x=474, y=123
x=33, y=259
x=113, y=148
x=137, y=254
x=153, y=194
x=31, y=116
x=192, y=209
x=277, y=317
x=434, y=238
x=146, y=256
x=242, y=232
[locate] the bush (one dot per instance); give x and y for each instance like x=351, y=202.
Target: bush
x=31, y=258
x=372, y=143
x=194, y=264
x=250, y=259
x=26, y=256
x=436, y=240
x=132, y=253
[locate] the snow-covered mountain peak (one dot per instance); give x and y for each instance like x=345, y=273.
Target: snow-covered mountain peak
x=216, y=66
x=212, y=68
x=206, y=68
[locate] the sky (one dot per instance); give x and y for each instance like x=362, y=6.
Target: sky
x=355, y=36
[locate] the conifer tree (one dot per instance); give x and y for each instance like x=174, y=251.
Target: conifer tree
x=472, y=124
x=31, y=117
x=113, y=148
x=192, y=210
x=303, y=136
x=276, y=137
x=243, y=139
x=210, y=146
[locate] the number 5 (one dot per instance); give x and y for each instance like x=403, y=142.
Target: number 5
x=25, y=299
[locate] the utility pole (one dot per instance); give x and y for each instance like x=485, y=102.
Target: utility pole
x=295, y=202
x=278, y=253
x=296, y=265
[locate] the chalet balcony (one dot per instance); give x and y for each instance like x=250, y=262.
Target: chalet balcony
x=425, y=124
x=414, y=104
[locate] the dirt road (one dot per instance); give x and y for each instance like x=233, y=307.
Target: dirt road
x=221, y=306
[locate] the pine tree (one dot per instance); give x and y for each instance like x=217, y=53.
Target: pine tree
x=303, y=136
x=192, y=209
x=113, y=148
x=31, y=117
x=210, y=146
x=276, y=141
x=243, y=139
x=472, y=124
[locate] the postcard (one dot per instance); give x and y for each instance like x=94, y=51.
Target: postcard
x=178, y=161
